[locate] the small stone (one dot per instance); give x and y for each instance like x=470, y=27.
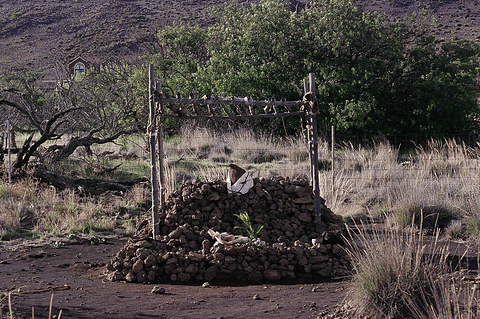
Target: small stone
x=115, y=276
x=214, y=197
x=175, y=233
x=137, y=266
x=150, y=261
x=205, y=247
x=255, y=276
x=142, y=253
x=130, y=277
x=206, y=285
x=183, y=276
x=141, y=276
x=118, y=265
x=194, y=256
x=256, y=297
x=151, y=275
x=303, y=200
x=211, y=273
x=158, y=290
x=144, y=244
x=305, y=217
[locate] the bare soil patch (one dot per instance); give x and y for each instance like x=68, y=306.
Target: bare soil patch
x=75, y=273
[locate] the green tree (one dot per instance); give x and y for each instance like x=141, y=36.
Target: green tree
x=373, y=75
x=254, y=51
x=439, y=91
x=182, y=49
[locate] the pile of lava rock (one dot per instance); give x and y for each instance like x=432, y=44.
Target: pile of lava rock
x=184, y=251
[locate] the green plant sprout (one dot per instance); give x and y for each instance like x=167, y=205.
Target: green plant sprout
x=251, y=231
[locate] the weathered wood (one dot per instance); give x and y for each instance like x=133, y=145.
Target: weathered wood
x=225, y=109
x=153, y=162
x=233, y=117
x=314, y=148
x=333, y=161
x=161, y=164
x=306, y=108
x=9, y=144
x=61, y=152
x=229, y=101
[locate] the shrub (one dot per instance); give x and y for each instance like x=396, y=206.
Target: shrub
x=456, y=230
x=393, y=273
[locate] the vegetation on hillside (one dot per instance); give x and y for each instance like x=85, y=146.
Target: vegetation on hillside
x=373, y=75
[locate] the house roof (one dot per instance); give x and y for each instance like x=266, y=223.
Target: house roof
x=78, y=59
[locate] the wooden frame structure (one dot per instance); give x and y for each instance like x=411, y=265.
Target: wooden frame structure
x=214, y=107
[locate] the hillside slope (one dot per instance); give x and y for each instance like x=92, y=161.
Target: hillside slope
x=35, y=35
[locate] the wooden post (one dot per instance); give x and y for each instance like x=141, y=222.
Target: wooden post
x=153, y=168
x=306, y=88
x=9, y=145
x=309, y=86
x=161, y=155
x=333, y=163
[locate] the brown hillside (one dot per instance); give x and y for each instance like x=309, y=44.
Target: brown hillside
x=37, y=34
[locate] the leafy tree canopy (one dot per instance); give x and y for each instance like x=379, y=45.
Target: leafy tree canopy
x=373, y=75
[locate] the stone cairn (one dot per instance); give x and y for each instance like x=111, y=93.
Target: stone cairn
x=186, y=252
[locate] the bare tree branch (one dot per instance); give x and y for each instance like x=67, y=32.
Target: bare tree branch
x=61, y=152
x=24, y=111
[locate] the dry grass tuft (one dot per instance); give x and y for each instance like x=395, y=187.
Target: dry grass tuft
x=399, y=274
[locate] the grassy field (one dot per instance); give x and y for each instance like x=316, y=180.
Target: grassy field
x=439, y=180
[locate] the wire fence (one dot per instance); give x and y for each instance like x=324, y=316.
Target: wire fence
x=353, y=175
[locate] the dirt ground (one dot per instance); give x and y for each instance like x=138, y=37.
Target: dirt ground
x=74, y=272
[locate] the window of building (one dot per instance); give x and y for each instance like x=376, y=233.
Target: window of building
x=79, y=68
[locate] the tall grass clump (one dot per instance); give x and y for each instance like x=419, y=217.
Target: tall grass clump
x=398, y=273
x=440, y=177
x=15, y=207
x=29, y=209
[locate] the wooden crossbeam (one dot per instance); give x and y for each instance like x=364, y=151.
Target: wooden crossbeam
x=215, y=107
x=236, y=116
x=228, y=101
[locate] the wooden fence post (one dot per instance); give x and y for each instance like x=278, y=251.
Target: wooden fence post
x=333, y=163
x=153, y=168
x=161, y=154
x=309, y=87
x=9, y=145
